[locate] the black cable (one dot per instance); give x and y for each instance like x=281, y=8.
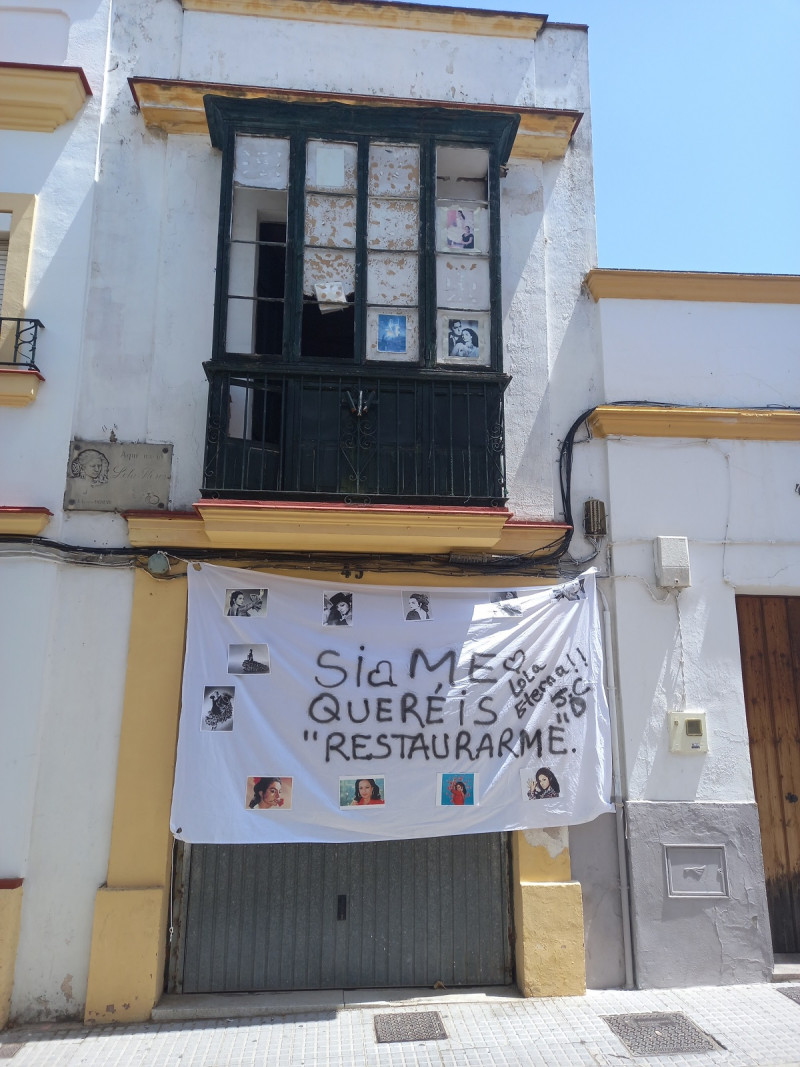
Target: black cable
x=547, y=561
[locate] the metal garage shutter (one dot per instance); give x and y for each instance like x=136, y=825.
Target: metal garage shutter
x=391, y=913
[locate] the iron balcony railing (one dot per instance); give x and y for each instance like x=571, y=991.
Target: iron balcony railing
x=18, y=342
x=359, y=436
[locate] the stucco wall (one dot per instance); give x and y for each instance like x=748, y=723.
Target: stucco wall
x=60, y=773
x=735, y=501
x=123, y=277
x=59, y=168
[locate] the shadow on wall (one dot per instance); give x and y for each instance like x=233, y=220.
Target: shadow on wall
x=593, y=855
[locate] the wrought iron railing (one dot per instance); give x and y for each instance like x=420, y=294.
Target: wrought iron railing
x=361, y=436
x=18, y=342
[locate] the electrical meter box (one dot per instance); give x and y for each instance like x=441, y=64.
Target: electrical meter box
x=688, y=735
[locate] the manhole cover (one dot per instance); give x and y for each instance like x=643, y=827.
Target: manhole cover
x=792, y=992
x=7, y=1049
x=410, y=1026
x=659, y=1033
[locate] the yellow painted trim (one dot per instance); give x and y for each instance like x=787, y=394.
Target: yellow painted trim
x=550, y=952
x=22, y=208
x=10, y=919
x=394, y=16
x=544, y=135
x=126, y=970
x=725, y=424
x=29, y=522
x=543, y=855
x=38, y=98
x=548, y=915
x=177, y=107
x=524, y=538
x=339, y=527
x=151, y=529
x=19, y=386
x=688, y=285
x=126, y=964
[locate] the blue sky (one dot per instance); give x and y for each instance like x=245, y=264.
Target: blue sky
x=696, y=129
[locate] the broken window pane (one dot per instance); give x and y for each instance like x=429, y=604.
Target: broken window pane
x=462, y=173
x=394, y=170
x=239, y=338
x=257, y=269
x=331, y=221
x=392, y=224
x=261, y=162
x=331, y=165
x=392, y=278
x=462, y=282
x=326, y=268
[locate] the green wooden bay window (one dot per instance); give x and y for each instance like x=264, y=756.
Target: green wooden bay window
x=357, y=334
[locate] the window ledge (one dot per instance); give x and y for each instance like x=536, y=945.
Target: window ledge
x=344, y=527
x=725, y=424
x=376, y=528
x=19, y=386
x=177, y=107
x=27, y=522
x=40, y=98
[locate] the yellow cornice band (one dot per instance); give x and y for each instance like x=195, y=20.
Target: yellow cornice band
x=693, y=285
x=177, y=107
x=725, y=424
x=393, y=16
x=24, y=522
x=282, y=526
x=40, y=98
x=19, y=386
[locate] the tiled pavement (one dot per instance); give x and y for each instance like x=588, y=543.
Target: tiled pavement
x=753, y=1026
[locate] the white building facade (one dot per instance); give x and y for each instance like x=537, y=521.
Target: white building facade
x=226, y=227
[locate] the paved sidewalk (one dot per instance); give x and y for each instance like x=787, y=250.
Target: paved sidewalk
x=750, y=1025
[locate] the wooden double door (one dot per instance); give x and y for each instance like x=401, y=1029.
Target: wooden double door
x=769, y=635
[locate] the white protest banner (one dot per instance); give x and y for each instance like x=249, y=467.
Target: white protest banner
x=321, y=712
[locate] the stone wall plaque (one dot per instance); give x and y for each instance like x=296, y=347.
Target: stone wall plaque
x=114, y=476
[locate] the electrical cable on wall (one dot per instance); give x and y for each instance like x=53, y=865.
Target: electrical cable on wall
x=550, y=561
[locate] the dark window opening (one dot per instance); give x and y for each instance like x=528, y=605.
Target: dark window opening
x=270, y=282
x=329, y=335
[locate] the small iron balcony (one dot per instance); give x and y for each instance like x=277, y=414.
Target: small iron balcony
x=360, y=436
x=18, y=342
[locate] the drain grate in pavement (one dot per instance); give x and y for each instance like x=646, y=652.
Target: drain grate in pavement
x=792, y=992
x=7, y=1049
x=410, y=1026
x=659, y=1033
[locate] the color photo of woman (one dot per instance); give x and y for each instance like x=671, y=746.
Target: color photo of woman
x=361, y=792
x=266, y=793
x=457, y=790
x=544, y=786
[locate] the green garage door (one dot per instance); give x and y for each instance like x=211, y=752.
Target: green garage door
x=390, y=913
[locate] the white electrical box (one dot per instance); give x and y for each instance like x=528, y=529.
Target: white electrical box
x=687, y=732
x=672, y=562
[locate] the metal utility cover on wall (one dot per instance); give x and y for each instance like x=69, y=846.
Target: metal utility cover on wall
x=696, y=871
